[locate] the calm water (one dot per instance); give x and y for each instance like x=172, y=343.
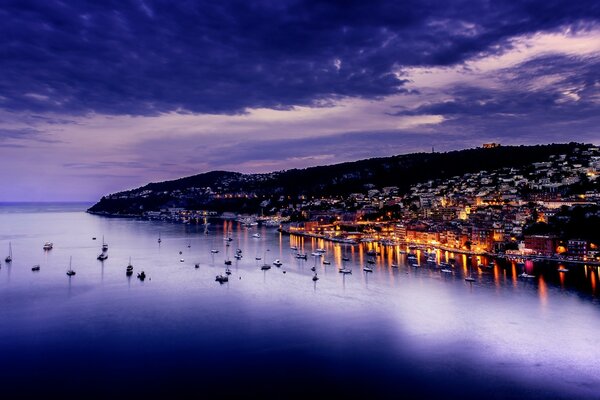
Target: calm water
x=388, y=334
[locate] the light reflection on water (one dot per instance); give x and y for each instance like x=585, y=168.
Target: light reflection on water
x=356, y=333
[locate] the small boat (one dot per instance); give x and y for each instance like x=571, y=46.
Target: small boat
x=159, y=239
x=277, y=263
x=302, y=256
x=35, y=267
x=316, y=254
x=227, y=271
x=141, y=275
x=48, y=246
x=265, y=267
x=345, y=271
x=102, y=256
x=129, y=268
x=315, y=278
x=222, y=278
x=414, y=265
x=321, y=251
x=563, y=269
x=370, y=261
x=469, y=278
x=238, y=256
x=411, y=257
x=345, y=259
x=394, y=265
x=94, y=238
x=258, y=258
x=180, y=252
x=9, y=258
x=294, y=248
x=181, y=260
x=366, y=268
x=214, y=251
x=446, y=270
x=227, y=262
x=313, y=269
x=228, y=239
x=70, y=271
x=326, y=262
x=525, y=275
x=256, y=235
x=196, y=265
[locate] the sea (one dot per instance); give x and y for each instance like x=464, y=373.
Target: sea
x=401, y=331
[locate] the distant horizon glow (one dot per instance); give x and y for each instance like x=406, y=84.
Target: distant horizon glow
x=95, y=100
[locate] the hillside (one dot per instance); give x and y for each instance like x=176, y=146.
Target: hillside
x=231, y=191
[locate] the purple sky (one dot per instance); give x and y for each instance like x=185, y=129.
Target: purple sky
x=97, y=97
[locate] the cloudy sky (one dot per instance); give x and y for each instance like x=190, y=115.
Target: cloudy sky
x=100, y=96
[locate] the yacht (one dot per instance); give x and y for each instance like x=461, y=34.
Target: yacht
x=214, y=251
x=302, y=256
x=366, y=268
x=256, y=235
x=8, y=258
x=326, y=262
x=70, y=271
x=277, y=263
x=35, y=267
x=48, y=246
x=129, y=268
x=394, y=265
x=563, y=269
x=320, y=250
x=316, y=254
x=525, y=275
x=345, y=270
x=446, y=270
x=469, y=278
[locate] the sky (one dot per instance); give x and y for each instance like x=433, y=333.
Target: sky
x=102, y=96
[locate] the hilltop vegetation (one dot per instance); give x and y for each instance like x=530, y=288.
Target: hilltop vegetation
x=232, y=191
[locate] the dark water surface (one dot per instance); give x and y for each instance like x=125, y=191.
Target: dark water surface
x=393, y=333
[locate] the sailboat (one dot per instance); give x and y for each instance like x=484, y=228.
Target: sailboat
x=9, y=256
x=104, y=244
x=70, y=271
x=227, y=260
x=315, y=277
x=469, y=278
x=345, y=269
x=129, y=268
x=159, y=239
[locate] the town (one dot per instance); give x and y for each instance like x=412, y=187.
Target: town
x=545, y=209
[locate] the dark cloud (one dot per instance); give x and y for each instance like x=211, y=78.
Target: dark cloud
x=147, y=57
x=546, y=98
